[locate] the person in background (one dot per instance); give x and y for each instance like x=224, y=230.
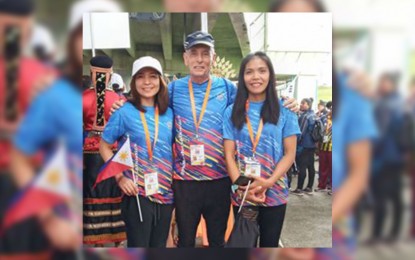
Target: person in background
x=306, y=148
x=410, y=115
x=117, y=84
x=388, y=163
x=106, y=196
x=43, y=45
x=321, y=109
x=325, y=158
x=329, y=105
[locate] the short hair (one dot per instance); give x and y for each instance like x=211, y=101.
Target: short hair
x=309, y=101
x=329, y=105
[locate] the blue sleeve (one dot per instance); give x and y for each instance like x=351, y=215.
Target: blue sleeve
x=291, y=126
x=38, y=126
x=170, y=89
x=232, y=92
x=228, y=125
x=362, y=124
x=115, y=127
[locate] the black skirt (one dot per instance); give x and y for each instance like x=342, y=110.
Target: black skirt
x=102, y=220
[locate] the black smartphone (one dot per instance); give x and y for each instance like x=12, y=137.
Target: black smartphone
x=242, y=181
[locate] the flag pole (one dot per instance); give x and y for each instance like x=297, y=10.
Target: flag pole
x=135, y=181
x=244, y=197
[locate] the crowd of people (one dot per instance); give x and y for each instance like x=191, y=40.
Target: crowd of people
x=315, y=140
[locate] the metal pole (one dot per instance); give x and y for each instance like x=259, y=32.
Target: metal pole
x=204, y=22
x=265, y=32
x=92, y=34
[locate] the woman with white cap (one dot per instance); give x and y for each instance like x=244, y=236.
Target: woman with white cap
x=148, y=121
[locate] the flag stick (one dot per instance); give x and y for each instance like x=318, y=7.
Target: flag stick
x=244, y=197
x=135, y=182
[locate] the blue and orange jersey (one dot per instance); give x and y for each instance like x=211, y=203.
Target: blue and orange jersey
x=222, y=94
x=269, y=150
x=127, y=121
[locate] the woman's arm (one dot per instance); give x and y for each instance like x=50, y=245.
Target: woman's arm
x=233, y=170
x=282, y=166
x=359, y=156
x=21, y=168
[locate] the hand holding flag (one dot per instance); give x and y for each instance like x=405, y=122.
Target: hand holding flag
x=121, y=161
x=50, y=188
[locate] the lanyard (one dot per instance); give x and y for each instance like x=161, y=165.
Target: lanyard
x=192, y=102
x=147, y=133
x=255, y=140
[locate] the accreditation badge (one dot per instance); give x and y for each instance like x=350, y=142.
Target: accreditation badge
x=197, y=154
x=252, y=167
x=151, y=183
x=325, y=139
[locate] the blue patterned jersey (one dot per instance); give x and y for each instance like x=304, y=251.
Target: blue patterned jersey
x=222, y=94
x=270, y=148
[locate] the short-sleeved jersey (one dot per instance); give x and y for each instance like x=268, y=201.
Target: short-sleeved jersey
x=269, y=151
x=222, y=94
x=127, y=120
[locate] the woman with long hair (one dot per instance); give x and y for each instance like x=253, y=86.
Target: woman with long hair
x=147, y=120
x=263, y=135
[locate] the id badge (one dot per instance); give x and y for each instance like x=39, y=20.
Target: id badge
x=151, y=183
x=252, y=168
x=197, y=154
x=325, y=139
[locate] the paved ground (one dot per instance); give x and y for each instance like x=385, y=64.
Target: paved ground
x=308, y=219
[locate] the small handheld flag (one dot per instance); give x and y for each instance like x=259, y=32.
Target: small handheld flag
x=121, y=161
x=50, y=188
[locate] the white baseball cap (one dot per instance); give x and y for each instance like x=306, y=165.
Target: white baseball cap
x=116, y=79
x=146, y=62
x=42, y=36
x=90, y=6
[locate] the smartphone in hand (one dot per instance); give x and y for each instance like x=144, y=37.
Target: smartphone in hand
x=242, y=181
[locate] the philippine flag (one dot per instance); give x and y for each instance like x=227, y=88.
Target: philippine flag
x=120, y=162
x=50, y=188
